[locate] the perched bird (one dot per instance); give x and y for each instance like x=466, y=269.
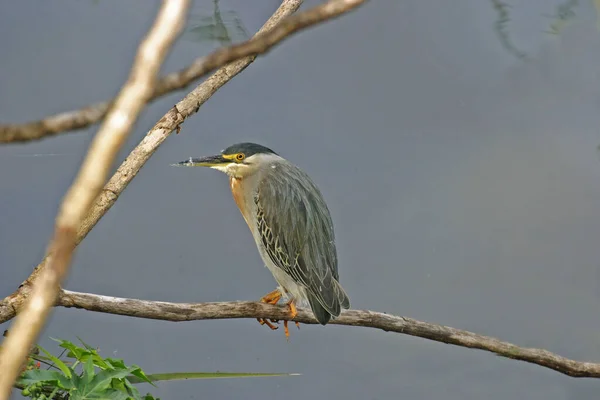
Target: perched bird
x=291, y=225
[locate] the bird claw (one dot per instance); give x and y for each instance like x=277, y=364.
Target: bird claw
x=269, y=324
x=270, y=298
x=273, y=298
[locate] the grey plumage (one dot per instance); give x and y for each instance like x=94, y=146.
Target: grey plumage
x=297, y=231
x=290, y=222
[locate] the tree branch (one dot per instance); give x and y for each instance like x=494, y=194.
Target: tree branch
x=189, y=105
x=142, y=153
x=47, y=276
x=165, y=311
x=92, y=175
x=260, y=44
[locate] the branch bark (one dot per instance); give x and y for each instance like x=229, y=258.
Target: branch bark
x=43, y=284
x=142, y=153
x=87, y=185
x=166, y=311
x=78, y=119
x=69, y=233
x=265, y=39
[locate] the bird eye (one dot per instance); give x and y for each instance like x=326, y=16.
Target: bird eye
x=240, y=156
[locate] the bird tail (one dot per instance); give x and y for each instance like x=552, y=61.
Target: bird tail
x=322, y=314
x=341, y=295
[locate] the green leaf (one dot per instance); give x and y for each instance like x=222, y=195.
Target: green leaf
x=172, y=376
x=115, y=363
x=61, y=365
x=88, y=373
x=103, y=395
x=45, y=376
x=113, y=395
x=124, y=386
x=119, y=384
x=88, y=369
x=96, y=359
x=87, y=346
x=74, y=350
x=83, y=354
x=137, y=372
x=77, y=383
x=103, y=379
x=132, y=390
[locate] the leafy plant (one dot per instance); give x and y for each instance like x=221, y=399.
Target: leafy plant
x=91, y=376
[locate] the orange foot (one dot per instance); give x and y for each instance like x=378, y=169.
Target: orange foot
x=270, y=298
x=293, y=313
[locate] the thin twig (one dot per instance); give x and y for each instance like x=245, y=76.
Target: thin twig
x=78, y=119
x=266, y=38
x=87, y=186
x=165, y=311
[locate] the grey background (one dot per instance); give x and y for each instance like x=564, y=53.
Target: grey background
x=463, y=183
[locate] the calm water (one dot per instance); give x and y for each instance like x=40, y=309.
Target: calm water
x=464, y=184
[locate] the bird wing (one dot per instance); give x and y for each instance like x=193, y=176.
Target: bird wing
x=297, y=232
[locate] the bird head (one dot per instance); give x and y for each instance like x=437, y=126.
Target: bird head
x=238, y=160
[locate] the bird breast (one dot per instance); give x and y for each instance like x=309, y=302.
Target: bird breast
x=237, y=189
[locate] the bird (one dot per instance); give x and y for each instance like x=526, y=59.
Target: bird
x=291, y=225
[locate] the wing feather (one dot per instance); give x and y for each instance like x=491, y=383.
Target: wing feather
x=297, y=231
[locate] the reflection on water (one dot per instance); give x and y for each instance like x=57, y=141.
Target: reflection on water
x=224, y=27
x=563, y=14
x=501, y=27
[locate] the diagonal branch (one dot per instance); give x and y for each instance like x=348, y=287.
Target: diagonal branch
x=142, y=153
x=260, y=44
x=88, y=183
x=50, y=272
x=269, y=35
x=165, y=311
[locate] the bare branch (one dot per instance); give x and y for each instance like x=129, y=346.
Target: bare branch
x=169, y=122
x=260, y=44
x=50, y=271
x=390, y=323
x=143, y=151
x=87, y=185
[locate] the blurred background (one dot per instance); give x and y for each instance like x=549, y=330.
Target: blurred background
x=455, y=142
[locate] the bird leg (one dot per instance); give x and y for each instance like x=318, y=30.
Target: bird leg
x=293, y=313
x=270, y=298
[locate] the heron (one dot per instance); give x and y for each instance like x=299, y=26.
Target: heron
x=291, y=225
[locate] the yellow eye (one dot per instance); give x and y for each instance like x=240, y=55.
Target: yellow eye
x=240, y=156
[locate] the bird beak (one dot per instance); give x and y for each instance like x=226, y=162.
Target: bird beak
x=209, y=161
